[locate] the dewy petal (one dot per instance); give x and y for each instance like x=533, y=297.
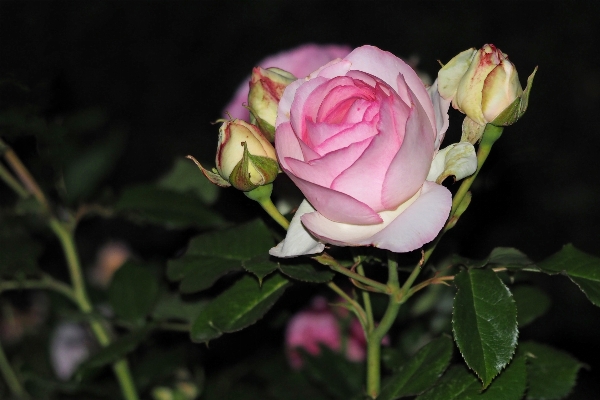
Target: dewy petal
x=297, y=240
x=410, y=165
x=334, y=205
x=458, y=160
x=418, y=224
x=365, y=178
x=440, y=107
x=386, y=67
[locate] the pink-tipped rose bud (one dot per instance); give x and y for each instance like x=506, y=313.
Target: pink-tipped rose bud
x=481, y=83
x=245, y=158
x=266, y=89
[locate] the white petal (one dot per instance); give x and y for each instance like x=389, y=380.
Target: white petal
x=458, y=160
x=298, y=241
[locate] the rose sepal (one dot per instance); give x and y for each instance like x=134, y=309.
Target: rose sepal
x=213, y=176
x=517, y=108
x=265, y=128
x=241, y=176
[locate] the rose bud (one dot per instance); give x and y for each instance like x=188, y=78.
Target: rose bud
x=245, y=158
x=266, y=89
x=483, y=85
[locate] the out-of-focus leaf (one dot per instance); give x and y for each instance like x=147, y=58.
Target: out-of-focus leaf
x=580, y=267
x=184, y=177
x=211, y=255
x=172, y=306
x=420, y=372
x=506, y=257
x=18, y=251
x=531, y=302
x=335, y=375
x=260, y=266
x=149, y=203
x=133, y=292
x=306, y=272
x=551, y=373
x=83, y=173
x=484, y=322
x=460, y=384
x=239, y=306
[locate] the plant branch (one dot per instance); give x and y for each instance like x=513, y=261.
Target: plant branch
x=11, y=377
x=46, y=282
x=332, y=263
x=356, y=307
x=7, y=177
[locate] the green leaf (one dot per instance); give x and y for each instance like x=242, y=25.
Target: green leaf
x=306, y=272
x=531, y=303
x=551, y=372
x=83, y=173
x=580, y=267
x=500, y=257
x=148, y=203
x=336, y=375
x=211, y=255
x=260, y=266
x=114, y=351
x=420, y=372
x=171, y=306
x=239, y=306
x=184, y=178
x=459, y=384
x=133, y=292
x=484, y=322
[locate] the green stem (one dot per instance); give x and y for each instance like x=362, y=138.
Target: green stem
x=6, y=176
x=332, y=263
x=47, y=282
x=377, y=334
x=358, y=310
x=120, y=367
x=11, y=377
x=274, y=213
x=367, y=302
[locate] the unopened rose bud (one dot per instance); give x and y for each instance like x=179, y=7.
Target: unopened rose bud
x=266, y=89
x=245, y=158
x=484, y=85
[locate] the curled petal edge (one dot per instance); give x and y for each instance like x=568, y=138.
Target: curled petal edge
x=298, y=240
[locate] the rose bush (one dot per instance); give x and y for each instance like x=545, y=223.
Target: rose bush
x=299, y=61
x=358, y=137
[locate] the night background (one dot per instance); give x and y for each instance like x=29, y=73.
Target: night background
x=158, y=73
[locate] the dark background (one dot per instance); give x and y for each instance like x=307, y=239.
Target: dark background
x=163, y=71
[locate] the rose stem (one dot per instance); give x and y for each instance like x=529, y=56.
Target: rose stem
x=64, y=233
x=270, y=208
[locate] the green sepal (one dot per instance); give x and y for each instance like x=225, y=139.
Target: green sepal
x=212, y=176
x=513, y=112
x=241, y=178
x=266, y=128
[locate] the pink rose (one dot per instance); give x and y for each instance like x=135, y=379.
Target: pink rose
x=321, y=325
x=358, y=137
x=300, y=61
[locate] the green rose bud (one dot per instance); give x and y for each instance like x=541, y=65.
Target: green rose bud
x=266, y=89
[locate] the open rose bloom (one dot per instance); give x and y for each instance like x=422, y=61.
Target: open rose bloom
x=358, y=137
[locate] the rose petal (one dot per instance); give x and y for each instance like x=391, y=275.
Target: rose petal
x=458, y=160
x=297, y=240
x=440, y=107
x=287, y=143
x=411, y=163
x=297, y=110
x=354, y=134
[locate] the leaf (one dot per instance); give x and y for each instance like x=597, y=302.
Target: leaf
x=114, y=351
x=239, y=306
x=459, y=384
x=148, y=203
x=133, y=292
x=419, y=372
x=484, y=322
x=184, y=178
x=306, y=272
x=260, y=266
x=83, y=173
x=211, y=255
x=551, y=372
x=333, y=372
x=580, y=267
x=506, y=257
x=531, y=303
x=171, y=306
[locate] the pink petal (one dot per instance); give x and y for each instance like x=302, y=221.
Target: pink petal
x=339, y=100
x=287, y=144
x=386, y=67
x=364, y=180
x=285, y=104
x=335, y=205
x=410, y=166
x=318, y=132
x=324, y=170
x=418, y=224
x=356, y=133
x=299, y=104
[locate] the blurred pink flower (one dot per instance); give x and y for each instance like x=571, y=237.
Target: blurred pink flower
x=300, y=61
x=321, y=324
